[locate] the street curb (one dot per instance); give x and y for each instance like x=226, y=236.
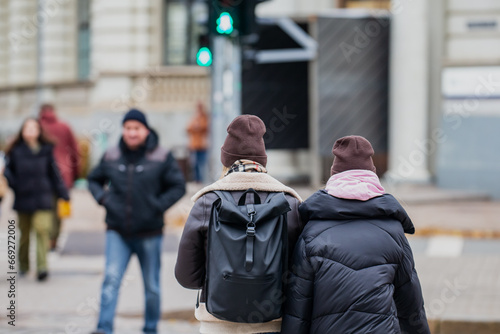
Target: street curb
x=440, y=199
x=178, y=315
x=464, y=327
x=182, y=315
x=437, y=326
x=472, y=234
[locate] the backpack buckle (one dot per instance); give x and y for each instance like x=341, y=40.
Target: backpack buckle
x=251, y=210
x=251, y=228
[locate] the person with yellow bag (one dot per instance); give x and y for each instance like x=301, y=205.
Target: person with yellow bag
x=66, y=156
x=63, y=209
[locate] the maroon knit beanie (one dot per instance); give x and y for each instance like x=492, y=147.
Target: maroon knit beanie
x=244, y=141
x=352, y=152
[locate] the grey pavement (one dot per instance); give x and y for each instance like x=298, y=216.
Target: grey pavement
x=460, y=276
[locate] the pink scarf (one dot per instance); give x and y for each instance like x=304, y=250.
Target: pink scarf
x=357, y=184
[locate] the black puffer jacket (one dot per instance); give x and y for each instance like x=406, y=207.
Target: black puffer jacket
x=353, y=270
x=34, y=177
x=141, y=186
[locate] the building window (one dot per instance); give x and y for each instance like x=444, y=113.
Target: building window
x=182, y=25
x=83, y=60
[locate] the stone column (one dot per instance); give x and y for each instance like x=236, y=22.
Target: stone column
x=409, y=96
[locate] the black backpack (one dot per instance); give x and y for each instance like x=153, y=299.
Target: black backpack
x=247, y=257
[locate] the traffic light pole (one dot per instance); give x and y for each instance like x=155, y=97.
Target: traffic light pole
x=226, y=96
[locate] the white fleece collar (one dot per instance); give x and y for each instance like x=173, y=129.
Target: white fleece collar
x=240, y=181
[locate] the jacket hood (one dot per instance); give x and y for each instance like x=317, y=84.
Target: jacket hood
x=357, y=184
x=151, y=141
x=323, y=206
x=48, y=117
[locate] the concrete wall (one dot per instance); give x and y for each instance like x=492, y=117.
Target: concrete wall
x=467, y=155
x=4, y=50
x=472, y=32
x=125, y=35
x=21, y=42
x=469, y=146
x=59, y=42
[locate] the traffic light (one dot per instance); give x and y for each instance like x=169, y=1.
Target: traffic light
x=204, y=56
x=229, y=18
x=232, y=17
x=225, y=23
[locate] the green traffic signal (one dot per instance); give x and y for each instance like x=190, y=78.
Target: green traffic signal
x=225, y=23
x=204, y=57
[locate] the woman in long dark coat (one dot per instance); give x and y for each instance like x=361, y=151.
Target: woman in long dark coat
x=33, y=175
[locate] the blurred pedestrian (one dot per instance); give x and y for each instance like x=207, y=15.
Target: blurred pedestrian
x=244, y=158
x=3, y=186
x=136, y=181
x=32, y=173
x=66, y=155
x=353, y=269
x=198, y=141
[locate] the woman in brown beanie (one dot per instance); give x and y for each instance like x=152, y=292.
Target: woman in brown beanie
x=244, y=159
x=353, y=269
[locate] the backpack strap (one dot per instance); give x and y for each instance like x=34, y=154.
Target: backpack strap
x=250, y=238
x=272, y=195
x=250, y=226
x=224, y=195
x=243, y=197
x=228, y=197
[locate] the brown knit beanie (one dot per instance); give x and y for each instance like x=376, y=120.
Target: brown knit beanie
x=244, y=141
x=352, y=152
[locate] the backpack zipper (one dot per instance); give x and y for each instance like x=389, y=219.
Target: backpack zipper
x=247, y=279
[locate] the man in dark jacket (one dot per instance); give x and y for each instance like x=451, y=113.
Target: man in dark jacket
x=353, y=269
x=136, y=182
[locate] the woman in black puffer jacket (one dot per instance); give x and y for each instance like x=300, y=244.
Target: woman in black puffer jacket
x=33, y=175
x=353, y=269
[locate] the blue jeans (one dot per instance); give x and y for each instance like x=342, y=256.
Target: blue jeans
x=118, y=253
x=199, y=159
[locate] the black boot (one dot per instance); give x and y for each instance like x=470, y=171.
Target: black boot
x=42, y=276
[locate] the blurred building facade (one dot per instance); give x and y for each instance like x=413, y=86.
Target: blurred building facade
x=445, y=94
x=94, y=59
x=469, y=155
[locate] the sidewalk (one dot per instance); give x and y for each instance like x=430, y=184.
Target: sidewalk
x=460, y=276
x=69, y=301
